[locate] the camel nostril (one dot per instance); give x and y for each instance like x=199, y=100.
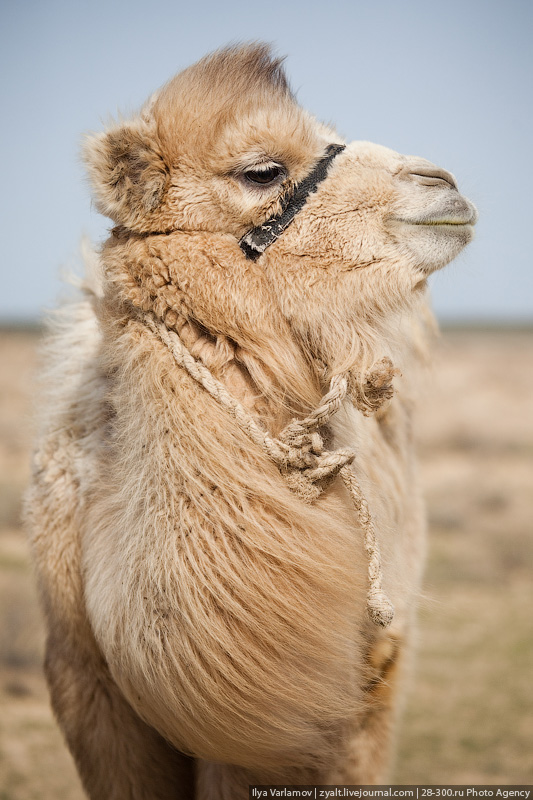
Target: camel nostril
x=427, y=174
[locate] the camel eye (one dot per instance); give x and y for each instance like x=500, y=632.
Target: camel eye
x=265, y=176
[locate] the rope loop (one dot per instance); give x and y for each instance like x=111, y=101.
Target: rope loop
x=299, y=454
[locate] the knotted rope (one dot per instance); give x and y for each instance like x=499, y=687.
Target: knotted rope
x=299, y=454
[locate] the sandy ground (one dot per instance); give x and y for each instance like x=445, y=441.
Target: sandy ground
x=469, y=712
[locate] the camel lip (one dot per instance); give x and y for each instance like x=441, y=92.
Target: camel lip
x=443, y=224
x=448, y=224
x=452, y=220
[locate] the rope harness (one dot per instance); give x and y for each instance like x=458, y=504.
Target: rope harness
x=299, y=454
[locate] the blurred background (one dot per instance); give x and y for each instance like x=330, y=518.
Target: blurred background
x=448, y=81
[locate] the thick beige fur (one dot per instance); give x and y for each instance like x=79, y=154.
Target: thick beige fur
x=206, y=628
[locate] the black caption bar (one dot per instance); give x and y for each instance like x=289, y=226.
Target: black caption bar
x=417, y=792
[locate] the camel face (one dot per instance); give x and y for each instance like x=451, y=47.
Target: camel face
x=224, y=144
x=379, y=207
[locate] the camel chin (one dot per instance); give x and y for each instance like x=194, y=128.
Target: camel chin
x=433, y=245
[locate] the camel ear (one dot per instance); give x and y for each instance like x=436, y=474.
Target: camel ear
x=127, y=172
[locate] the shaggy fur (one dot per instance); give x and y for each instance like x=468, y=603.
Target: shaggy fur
x=206, y=628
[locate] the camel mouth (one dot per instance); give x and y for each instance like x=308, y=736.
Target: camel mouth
x=447, y=222
x=447, y=211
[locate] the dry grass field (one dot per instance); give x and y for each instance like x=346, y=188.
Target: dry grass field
x=469, y=713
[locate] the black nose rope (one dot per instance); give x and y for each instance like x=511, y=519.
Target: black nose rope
x=255, y=242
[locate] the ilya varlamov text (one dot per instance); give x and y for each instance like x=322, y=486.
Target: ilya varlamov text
x=328, y=793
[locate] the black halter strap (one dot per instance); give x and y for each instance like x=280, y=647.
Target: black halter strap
x=255, y=242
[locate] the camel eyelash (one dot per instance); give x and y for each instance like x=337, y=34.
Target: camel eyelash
x=265, y=175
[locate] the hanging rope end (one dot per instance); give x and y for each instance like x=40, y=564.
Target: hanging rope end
x=380, y=608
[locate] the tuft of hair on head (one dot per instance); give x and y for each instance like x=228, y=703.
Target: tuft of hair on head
x=222, y=87
x=252, y=66
x=233, y=74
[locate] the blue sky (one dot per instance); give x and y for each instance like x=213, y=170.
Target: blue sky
x=451, y=81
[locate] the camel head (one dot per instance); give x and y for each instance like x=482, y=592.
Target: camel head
x=224, y=146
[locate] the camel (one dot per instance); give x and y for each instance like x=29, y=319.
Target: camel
x=224, y=514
